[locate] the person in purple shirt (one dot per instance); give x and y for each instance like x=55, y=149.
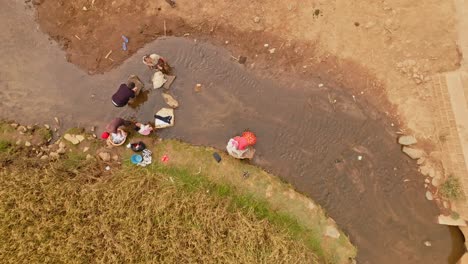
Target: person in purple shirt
x=124, y=94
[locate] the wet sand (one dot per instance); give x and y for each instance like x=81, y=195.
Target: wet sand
x=310, y=141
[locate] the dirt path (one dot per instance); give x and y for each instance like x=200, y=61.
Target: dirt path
x=313, y=143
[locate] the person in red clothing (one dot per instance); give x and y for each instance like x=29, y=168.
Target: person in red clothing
x=124, y=94
x=241, y=147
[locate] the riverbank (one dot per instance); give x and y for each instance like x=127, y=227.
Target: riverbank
x=62, y=192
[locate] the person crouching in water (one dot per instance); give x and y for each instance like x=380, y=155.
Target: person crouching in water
x=156, y=62
x=124, y=94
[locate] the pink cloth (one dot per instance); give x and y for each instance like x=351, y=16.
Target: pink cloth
x=241, y=143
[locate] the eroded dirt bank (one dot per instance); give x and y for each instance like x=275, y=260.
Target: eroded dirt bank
x=313, y=142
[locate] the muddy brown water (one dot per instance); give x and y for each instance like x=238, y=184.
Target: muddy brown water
x=304, y=136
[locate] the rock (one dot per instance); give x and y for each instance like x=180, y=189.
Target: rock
x=29, y=127
x=115, y=157
x=407, y=140
x=256, y=19
x=27, y=144
x=18, y=142
x=427, y=243
x=427, y=170
x=89, y=157
x=105, y=156
x=427, y=180
x=61, y=151
x=421, y=160
x=62, y=144
x=57, y=120
x=14, y=125
x=22, y=129
x=85, y=149
x=84, y=8
x=47, y=126
x=71, y=138
x=448, y=220
x=170, y=100
x=332, y=232
x=272, y=50
x=165, y=112
x=54, y=155
x=44, y=157
x=80, y=137
x=429, y=196
x=93, y=128
x=413, y=153
x=158, y=80
x=436, y=182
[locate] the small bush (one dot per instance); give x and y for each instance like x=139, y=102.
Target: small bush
x=451, y=188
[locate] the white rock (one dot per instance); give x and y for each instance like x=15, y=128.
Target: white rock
x=407, y=140
x=115, y=157
x=14, y=125
x=89, y=157
x=71, y=138
x=413, y=153
x=18, y=142
x=447, y=220
x=85, y=149
x=47, y=126
x=62, y=144
x=421, y=160
x=27, y=144
x=44, y=157
x=170, y=100
x=57, y=120
x=158, y=80
x=272, y=50
x=266, y=45
x=436, y=182
x=105, y=156
x=427, y=170
x=256, y=19
x=22, y=129
x=427, y=243
x=61, y=151
x=80, y=137
x=332, y=232
x=429, y=196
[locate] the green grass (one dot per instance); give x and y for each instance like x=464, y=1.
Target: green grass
x=75, y=131
x=451, y=188
x=244, y=202
x=5, y=145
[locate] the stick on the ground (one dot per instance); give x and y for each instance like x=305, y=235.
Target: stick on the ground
x=165, y=28
x=76, y=36
x=108, y=54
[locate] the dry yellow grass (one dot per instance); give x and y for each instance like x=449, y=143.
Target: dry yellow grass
x=62, y=213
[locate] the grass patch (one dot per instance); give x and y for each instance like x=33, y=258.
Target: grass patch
x=135, y=216
x=5, y=145
x=451, y=188
x=75, y=131
x=44, y=133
